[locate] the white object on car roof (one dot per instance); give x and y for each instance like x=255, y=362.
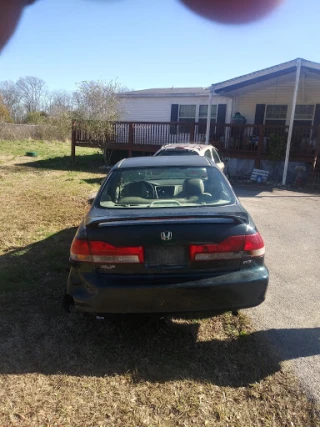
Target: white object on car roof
x=198, y=149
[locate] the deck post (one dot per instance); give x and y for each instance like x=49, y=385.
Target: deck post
x=192, y=132
x=130, y=138
x=316, y=155
x=316, y=148
x=209, y=117
x=257, y=162
x=294, y=101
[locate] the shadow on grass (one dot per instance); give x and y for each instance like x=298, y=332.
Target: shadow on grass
x=37, y=336
x=89, y=162
x=93, y=180
x=38, y=264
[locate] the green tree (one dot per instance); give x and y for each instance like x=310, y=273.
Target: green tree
x=4, y=114
x=36, y=118
x=276, y=151
x=11, y=98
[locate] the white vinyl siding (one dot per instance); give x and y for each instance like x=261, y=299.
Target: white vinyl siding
x=275, y=92
x=158, y=109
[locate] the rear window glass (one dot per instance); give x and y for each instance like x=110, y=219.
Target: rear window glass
x=181, y=152
x=161, y=187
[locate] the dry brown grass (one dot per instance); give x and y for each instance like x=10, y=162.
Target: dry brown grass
x=59, y=131
x=59, y=370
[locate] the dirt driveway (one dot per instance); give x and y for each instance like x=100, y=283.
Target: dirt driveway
x=290, y=224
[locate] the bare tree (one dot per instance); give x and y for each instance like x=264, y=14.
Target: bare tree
x=97, y=100
x=59, y=102
x=32, y=91
x=11, y=98
x=59, y=108
x=97, y=105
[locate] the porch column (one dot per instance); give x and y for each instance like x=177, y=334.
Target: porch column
x=209, y=117
x=294, y=101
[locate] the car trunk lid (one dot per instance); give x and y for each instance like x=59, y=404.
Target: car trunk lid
x=172, y=243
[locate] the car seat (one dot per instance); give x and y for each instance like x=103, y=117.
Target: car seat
x=193, y=188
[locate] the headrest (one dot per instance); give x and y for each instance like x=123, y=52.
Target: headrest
x=193, y=187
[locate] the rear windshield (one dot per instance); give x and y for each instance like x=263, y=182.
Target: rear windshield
x=160, y=187
x=181, y=152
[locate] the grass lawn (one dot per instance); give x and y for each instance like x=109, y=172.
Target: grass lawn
x=63, y=370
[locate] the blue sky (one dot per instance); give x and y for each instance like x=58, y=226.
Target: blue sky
x=152, y=43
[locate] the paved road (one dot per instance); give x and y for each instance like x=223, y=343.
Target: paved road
x=290, y=225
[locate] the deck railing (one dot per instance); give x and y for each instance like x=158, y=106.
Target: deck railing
x=246, y=139
x=249, y=140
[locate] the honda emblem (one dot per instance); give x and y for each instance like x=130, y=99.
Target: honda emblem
x=166, y=235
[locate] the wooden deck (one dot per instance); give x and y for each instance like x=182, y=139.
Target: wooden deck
x=233, y=141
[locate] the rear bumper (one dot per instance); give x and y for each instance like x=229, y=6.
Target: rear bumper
x=100, y=294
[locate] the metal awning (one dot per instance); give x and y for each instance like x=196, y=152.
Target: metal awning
x=223, y=88
x=295, y=67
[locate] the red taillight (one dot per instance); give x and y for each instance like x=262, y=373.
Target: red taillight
x=80, y=250
x=254, y=245
x=230, y=248
x=102, y=252
x=232, y=245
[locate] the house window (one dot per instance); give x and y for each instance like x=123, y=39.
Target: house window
x=276, y=115
x=304, y=112
x=303, y=116
x=276, y=112
x=203, y=113
x=187, y=114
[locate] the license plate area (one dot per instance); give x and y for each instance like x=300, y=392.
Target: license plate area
x=164, y=256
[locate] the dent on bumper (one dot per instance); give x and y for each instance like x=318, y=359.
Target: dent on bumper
x=136, y=294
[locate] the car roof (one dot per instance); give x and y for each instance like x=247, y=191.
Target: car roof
x=151, y=161
x=186, y=146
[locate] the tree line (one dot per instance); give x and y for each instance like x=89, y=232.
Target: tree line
x=28, y=100
x=96, y=104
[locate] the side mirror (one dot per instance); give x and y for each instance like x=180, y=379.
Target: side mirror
x=91, y=198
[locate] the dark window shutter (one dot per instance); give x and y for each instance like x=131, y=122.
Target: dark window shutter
x=221, y=119
x=316, y=120
x=259, y=117
x=222, y=111
x=174, y=112
x=174, y=118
